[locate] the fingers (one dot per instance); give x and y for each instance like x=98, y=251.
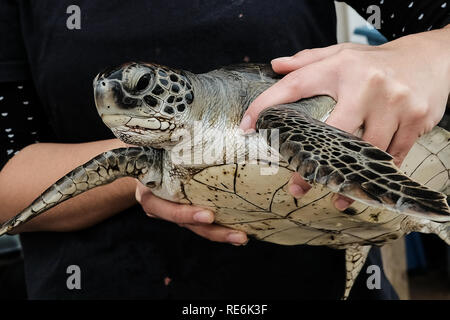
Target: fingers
x=174, y=212
x=298, y=187
x=341, y=202
x=305, y=57
x=313, y=79
x=401, y=143
x=194, y=218
x=219, y=234
x=340, y=118
x=379, y=131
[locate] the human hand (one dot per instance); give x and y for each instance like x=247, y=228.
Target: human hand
x=193, y=218
x=395, y=92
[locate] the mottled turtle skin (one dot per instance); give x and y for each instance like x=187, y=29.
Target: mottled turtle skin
x=158, y=109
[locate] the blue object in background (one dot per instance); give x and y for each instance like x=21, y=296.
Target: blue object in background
x=373, y=36
x=415, y=253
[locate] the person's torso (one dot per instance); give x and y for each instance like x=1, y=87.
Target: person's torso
x=129, y=255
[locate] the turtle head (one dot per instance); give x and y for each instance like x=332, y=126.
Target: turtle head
x=143, y=104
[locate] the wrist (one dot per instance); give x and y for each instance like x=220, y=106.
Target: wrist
x=446, y=35
x=441, y=40
x=446, y=30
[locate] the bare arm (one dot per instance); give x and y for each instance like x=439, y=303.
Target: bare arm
x=395, y=92
x=37, y=166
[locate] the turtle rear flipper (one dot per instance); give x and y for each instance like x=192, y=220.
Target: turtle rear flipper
x=103, y=169
x=348, y=165
x=355, y=257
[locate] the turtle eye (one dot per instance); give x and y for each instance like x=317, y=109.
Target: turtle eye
x=143, y=82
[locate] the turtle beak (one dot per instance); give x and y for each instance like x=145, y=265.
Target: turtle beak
x=106, y=93
x=113, y=105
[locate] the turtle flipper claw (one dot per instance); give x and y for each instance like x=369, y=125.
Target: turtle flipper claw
x=348, y=165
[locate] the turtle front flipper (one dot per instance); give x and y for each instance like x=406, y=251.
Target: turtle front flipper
x=348, y=165
x=355, y=257
x=136, y=162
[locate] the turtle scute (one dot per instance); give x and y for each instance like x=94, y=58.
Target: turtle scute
x=348, y=165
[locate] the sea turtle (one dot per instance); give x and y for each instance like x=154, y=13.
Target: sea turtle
x=190, y=150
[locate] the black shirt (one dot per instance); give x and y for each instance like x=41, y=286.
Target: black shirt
x=130, y=255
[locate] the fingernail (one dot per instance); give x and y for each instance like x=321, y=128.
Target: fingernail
x=341, y=204
x=237, y=238
x=137, y=194
x=204, y=217
x=281, y=59
x=246, y=123
x=296, y=190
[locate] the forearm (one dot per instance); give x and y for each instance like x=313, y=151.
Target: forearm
x=433, y=47
x=440, y=41
x=444, y=37
x=448, y=101
x=38, y=166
